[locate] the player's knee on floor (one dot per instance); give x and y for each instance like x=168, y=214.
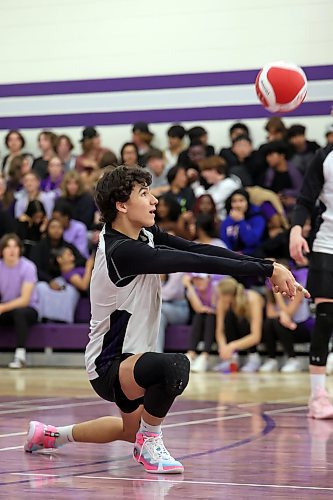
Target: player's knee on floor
x=321, y=334
x=171, y=371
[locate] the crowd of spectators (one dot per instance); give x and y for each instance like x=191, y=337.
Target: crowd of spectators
x=239, y=197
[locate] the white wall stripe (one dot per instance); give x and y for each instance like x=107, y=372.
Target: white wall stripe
x=232, y=95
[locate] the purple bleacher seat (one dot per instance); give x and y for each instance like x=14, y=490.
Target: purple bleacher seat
x=82, y=312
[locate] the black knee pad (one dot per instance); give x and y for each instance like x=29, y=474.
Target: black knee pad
x=169, y=370
x=321, y=334
x=176, y=372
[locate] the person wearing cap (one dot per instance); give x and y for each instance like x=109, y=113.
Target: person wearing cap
x=176, y=134
x=92, y=150
x=142, y=137
x=303, y=150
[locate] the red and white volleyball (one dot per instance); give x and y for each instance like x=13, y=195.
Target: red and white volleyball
x=281, y=86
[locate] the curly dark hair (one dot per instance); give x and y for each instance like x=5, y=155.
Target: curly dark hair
x=116, y=185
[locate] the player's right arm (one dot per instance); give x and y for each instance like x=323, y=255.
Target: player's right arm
x=312, y=185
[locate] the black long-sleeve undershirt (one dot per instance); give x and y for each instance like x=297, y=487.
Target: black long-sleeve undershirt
x=128, y=258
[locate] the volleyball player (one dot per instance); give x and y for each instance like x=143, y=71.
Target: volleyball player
x=317, y=184
x=125, y=307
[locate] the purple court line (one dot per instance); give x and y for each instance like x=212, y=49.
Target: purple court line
x=316, y=108
x=208, y=79
x=269, y=427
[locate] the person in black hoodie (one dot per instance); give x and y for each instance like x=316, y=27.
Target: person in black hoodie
x=303, y=150
x=43, y=254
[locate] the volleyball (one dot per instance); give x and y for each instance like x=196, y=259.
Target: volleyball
x=281, y=87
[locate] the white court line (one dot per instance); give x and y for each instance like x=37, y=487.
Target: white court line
x=11, y=448
x=213, y=483
x=53, y=407
x=12, y=434
x=17, y=402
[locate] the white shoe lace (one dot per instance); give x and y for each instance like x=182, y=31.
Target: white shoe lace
x=156, y=448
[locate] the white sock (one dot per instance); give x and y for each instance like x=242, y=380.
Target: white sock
x=317, y=382
x=144, y=427
x=65, y=435
x=20, y=353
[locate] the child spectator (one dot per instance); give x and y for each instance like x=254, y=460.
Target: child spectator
x=142, y=138
x=18, y=298
x=200, y=134
x=179, y=188
x=200, y=291
x=155, y=164
x=287, y=322
x=236, y=130
x=168, y=212
x=244, y=227
x=239, y=317
x=303, y=150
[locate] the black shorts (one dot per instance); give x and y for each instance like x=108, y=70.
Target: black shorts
x=320, y=277
x=108, y=387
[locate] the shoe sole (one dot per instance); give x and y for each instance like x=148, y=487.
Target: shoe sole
x=30, y=434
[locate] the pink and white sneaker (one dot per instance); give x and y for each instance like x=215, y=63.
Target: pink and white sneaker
x=40, y=436
x=320, y=406
x=149, y=450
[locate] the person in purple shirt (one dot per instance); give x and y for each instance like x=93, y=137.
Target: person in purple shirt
x=75, y=232
x=79, y=277
x=55, y=176
x=18, y=297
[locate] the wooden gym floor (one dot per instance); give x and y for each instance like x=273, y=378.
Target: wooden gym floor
x=238, y=436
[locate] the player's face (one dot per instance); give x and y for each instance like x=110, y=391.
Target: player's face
x=141, y=207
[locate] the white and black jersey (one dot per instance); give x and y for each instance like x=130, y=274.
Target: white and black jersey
x=125, y=290
x=318, y=184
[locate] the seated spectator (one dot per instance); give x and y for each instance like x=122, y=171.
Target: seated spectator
x=179, y=188
x=206, y=231
x=236, y=130
x=6, y=196
x=288, y=322
x=175, y=308
x=42, y=254
x=92, y=151
x=18, y=298
x=244, y=227
x=215, y=171
x=168, y=212
x=282, y=177
x=75, y=232
x=129, y=155
x=200, y=292
x=108, y=159
x=271, y=208
x=246, y=164
x=46, y=143
x=142, y=138
x=55, y=176
x=276, y=129
x=329, y=134
x=81, y=202
x=19, y=166
x=239, y=318
x=176, y=134
x=191, y=157
x=32, y=191
x=155, y=164
x=7, y=223
x=32, y=225
x=63, y=149
x=205, y=205
x=199, y=133
x=78, y=276
x=303, y=150
x=14, y=142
